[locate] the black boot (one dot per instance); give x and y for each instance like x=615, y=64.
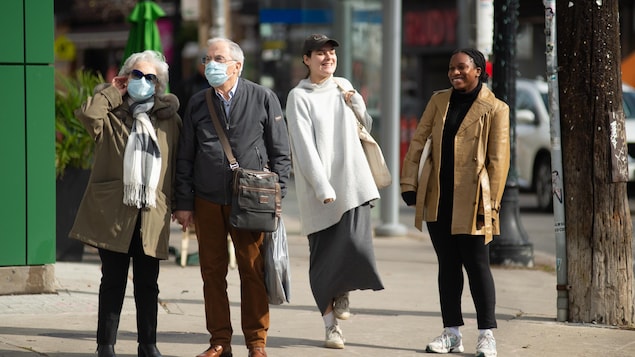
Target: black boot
x=148, y=350
x=106, y=351
x=107, y=335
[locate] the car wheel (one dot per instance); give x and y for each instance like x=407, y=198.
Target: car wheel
x=542, y=182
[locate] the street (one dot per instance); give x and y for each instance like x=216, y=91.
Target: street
x=538, y=225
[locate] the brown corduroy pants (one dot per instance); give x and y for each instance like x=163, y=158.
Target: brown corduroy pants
x=212, y=227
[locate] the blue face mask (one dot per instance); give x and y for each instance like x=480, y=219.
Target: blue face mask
x=216, y=73
x=140, y=89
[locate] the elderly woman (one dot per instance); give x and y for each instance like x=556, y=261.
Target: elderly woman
x=125, y=211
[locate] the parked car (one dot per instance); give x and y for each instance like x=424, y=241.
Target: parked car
x=533, y=138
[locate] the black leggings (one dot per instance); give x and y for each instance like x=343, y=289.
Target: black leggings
x=453, y=253
x=114, y=269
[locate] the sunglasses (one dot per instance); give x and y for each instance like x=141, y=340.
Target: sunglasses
x=137, y=74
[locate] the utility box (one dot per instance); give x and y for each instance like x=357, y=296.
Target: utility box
x=27, y=147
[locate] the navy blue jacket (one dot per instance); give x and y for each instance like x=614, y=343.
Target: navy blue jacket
x=258, y=135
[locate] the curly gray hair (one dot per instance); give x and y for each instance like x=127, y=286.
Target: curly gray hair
x=158, y=61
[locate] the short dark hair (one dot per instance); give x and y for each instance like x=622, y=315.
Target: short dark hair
x=479, y=61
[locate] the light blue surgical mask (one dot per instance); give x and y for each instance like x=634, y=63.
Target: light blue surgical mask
x=140, y=89
x=216, y=73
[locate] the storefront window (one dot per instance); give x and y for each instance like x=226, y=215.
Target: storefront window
x=283, y=28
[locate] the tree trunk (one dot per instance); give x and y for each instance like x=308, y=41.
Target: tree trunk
x=598, y=221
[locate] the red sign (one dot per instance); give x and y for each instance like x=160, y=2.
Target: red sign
x=430, y=28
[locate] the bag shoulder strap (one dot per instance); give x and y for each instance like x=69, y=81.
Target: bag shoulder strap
x=233, y=164
x=348, y=102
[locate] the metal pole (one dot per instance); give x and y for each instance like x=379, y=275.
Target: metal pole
x=556, y=163
x=218, y=28
x=214, y=20
x=389, y=126
x=204, y=22
x=485, y=26
x=512, y=247
x=343, y=16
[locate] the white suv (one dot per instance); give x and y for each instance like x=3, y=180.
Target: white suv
x=533, y=138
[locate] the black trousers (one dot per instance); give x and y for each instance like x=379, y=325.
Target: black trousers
x=114, y=269
x=453, y=253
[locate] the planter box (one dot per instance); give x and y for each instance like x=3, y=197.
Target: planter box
x=70, y=190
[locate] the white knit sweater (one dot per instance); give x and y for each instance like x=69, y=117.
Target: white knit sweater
x=328, y=158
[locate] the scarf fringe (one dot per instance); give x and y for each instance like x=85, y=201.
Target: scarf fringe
x=139, y=195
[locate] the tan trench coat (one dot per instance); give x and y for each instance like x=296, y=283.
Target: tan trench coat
x=103, y=220
x=481, y=155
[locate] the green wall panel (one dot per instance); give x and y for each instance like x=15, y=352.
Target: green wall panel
x=27, y=133
x=39, y=30
x=12, y=159
x=11, y=28
x=40, y=159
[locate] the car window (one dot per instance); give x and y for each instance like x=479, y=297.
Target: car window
x=523, y=101
x=545, y=100
x=628, y=103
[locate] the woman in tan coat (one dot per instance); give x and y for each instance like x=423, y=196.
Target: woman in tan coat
x=126, y=209
x=458, y=192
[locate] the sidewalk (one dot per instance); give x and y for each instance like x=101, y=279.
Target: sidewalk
x=398, y=321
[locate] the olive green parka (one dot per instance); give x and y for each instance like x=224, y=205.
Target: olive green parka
x=103, y=220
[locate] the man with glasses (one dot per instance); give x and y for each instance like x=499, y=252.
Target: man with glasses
x=252, y=119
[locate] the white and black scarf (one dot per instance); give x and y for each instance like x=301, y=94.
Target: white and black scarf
x=141, y=160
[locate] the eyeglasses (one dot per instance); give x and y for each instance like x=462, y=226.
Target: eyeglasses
x=137, y=74
x=219, y=59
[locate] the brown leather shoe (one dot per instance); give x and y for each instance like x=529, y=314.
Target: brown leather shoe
x=257, y=352
x=215, y=351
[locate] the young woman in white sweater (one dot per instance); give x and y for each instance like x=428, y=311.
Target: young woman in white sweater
x=334, y=184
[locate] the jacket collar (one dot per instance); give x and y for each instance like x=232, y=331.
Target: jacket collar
x=481, y=106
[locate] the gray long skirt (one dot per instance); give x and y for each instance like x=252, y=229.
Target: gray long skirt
x=342, y=258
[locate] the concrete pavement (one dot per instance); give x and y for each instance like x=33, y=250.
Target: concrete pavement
x=398, y=321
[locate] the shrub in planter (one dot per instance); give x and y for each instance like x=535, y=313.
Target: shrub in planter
x=73, y=145
x=73, y=157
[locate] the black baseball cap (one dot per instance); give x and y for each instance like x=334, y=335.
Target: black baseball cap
x=316, y=41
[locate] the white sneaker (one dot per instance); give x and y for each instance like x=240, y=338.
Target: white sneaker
x=446, y=343
x=340, y=307
x=334, y=337
x=486, y=345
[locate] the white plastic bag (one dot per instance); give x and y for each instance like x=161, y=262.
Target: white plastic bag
x=425, y=155
x=277, y=272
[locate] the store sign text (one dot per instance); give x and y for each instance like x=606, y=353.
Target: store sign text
x=430, y=28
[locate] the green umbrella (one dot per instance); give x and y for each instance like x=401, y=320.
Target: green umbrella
x=144, y=33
